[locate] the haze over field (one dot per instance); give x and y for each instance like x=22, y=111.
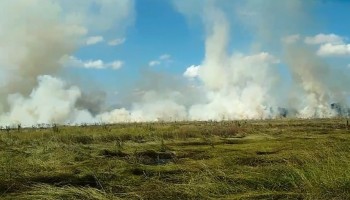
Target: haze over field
x=261, y=59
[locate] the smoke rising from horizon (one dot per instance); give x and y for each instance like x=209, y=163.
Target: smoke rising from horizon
x=227, y=85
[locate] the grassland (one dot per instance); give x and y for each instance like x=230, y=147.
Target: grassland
x=271, y=159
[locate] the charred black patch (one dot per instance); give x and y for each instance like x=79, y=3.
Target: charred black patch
x=261, y=153
x=195, y=155
x=257, y=161
x=66, y=179
x=110, y=154
x=151, y=157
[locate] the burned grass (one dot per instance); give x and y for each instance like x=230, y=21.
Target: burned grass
x=273, y=159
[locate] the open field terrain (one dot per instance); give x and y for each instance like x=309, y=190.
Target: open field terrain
x=271, y=159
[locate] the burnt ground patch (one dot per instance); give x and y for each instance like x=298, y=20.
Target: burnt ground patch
x=151, y=157
x=66, y=180
x=109, y=154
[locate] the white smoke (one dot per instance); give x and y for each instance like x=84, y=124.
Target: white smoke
x=37, y=37
x=246, y=86
x=237, y=85
x=33, y=39
x=51, y=102
x=317, y=84
x=161, y=110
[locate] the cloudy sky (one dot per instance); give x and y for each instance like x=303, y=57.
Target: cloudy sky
x=130, y=60
x=162, y=37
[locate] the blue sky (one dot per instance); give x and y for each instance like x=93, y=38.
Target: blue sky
x=159, y=29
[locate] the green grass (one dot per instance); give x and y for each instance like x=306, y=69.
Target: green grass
x=257, y=159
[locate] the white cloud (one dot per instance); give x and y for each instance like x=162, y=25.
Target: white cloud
x=330, y=45
x=94, y=40
x=154, y=63
x=324, y=38
x=290, y=39
x=165, y=58
x=92, y=64
x=116, y=64
x=98, y=39
x=334, y=50
x=116, y=42
x=192, y=71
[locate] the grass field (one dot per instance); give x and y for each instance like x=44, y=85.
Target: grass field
x=270, y=159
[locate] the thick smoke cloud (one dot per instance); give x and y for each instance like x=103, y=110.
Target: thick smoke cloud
x=36, y=36
x=52, y=101
x=317, y=83
x=237, y=85
x=246, y=86
x=32, y=39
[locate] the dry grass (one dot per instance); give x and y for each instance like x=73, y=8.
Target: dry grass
x=272, y=159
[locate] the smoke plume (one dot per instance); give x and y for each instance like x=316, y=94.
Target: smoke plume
x=281, y=74
x=35, y=35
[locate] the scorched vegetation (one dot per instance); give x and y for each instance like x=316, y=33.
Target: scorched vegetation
x=270, y=159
